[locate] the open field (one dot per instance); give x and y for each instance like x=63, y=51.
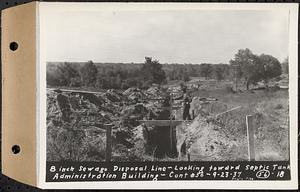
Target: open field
x=270, y=110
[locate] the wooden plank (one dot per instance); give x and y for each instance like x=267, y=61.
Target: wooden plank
x=250, y=137
x=174, y=107
x=163, y=123
x=108, y=143
x=283, y=86
x=75, y=91
x=153, y=99
x=99, y=126
x=228, y=111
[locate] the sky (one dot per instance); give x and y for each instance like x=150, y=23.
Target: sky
x=170, y=36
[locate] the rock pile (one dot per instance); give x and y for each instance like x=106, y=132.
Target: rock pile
x=85, y=117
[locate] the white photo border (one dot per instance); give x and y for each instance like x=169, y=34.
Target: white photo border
x=45, y=8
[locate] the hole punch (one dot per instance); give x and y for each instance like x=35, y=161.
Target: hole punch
x=16, y=149
x=13, y=46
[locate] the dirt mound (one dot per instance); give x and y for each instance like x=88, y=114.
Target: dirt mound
x=154, y=93
x=272, y=133
x=82, y=126
x=131, y=90
x=113, y=96
x=205, y=140
x=82, y=116
x=135, y=94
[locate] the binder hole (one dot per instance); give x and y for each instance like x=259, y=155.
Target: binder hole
x=13, y=46
x=16, y=149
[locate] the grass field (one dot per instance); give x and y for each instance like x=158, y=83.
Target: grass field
x=271, y=119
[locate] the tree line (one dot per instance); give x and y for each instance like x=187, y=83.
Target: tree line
x=245, y=66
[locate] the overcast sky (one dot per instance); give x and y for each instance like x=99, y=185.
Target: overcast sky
x=186, y=36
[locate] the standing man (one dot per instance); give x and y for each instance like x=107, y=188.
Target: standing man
x=186, y=106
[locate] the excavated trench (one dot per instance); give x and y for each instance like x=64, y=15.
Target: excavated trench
x=165, y=136
x=139, y=140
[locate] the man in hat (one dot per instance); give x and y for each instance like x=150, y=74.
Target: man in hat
x=186, y=106
x=186, y=103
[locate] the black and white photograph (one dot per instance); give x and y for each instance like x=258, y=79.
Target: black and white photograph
x=167, y=85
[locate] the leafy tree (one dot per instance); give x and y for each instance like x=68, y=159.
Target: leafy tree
x=101, y=82
x=152, y=72
x=255, y=68
x=227, y=73
x=191, y=70
x=53, y=79
x=179, y=72
x=118, y=81
x=285, y=66
x=248, y=66
x=185, y=76
x=89, y=74
x=76, y=82
x=272, y=67
x=66, y=73
x=219, y=72
x=206, y=70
